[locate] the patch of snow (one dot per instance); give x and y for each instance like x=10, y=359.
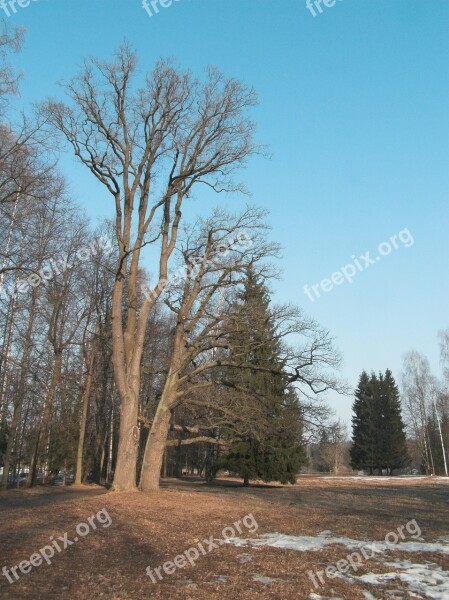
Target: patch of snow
x=428, y=579
x=368, y=595
x=265, y=581
x=303, y=543
x=385, y=478
x=444, y=539
x=422, y=580
x=318, y=597
x=245, y=558
x=308, y=543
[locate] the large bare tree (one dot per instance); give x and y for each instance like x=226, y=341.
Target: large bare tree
x=150, y=146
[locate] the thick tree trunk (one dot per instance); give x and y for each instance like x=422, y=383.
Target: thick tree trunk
x=125, y=471
x=126, y=353
x=154, y=450
x=157, y=438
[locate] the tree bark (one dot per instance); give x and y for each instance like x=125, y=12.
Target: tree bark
x=157, y=438
x=154, y=450
x=45, y=419
x=85, y=407
x=125, y=471
x=20, y=393
x=4, y=359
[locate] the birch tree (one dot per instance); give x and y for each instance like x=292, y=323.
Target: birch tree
x=423, y=403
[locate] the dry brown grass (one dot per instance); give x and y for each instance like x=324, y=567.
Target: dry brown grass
x=149, y=529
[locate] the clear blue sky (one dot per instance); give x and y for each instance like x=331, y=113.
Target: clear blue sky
x=354, y=107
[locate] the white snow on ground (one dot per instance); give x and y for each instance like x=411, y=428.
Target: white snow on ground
x=444, y=539
x=265, y=581
x=244, y=558
x=427, y=580
x=368, y=595
x=307, y=543
x=318, y=597
x=385, y=478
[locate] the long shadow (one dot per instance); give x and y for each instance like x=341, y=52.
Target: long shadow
x=397, y=503
x=18, y=499
x=96, y=567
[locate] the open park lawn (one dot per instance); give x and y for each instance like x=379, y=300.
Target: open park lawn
x=134, y=530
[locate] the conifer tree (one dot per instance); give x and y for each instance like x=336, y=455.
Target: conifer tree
x=378, y=438
x=363, y=436
x=271, y=449
x=391, y=435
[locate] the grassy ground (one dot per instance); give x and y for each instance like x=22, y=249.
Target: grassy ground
x=149, y=529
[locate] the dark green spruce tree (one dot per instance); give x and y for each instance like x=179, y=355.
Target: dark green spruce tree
x=378, y=438
x=268, y=444
x=392, y=443
x=363, y=449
